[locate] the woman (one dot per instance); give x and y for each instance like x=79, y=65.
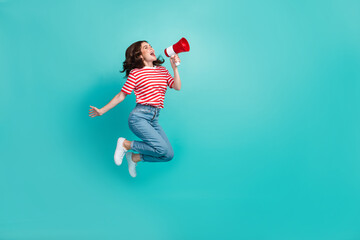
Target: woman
x=149, y=80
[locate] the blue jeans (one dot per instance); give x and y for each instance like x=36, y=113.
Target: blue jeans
x=155, y=146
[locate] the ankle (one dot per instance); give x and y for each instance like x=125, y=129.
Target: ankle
x=136, y=157
x=127, y=144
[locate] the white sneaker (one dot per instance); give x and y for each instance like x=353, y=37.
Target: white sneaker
x=120, y=151
x=131, y=164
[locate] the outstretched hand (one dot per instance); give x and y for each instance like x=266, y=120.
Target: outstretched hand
x=173, y=59
x=93, y=112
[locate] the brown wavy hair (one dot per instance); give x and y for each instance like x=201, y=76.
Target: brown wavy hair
x=133, y=59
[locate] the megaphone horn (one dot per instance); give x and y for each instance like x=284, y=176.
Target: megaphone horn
x=181, y=46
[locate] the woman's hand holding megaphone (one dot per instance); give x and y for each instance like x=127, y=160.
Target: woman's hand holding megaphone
x=175, y=61
x=181, y=46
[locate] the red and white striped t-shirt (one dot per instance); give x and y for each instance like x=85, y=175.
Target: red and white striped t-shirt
x=149, y=85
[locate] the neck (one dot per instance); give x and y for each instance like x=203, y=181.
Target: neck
x=148, y=64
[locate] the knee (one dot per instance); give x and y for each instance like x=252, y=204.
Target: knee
x=169, y=155
x=166, y=153
x=162, y=150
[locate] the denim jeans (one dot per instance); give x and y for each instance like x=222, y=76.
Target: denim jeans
x=155, y=146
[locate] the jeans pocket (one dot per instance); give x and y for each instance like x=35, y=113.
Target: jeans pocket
x=138, y=113
x=133, y=117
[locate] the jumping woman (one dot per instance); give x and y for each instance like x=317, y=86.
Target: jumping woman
x=149, y=80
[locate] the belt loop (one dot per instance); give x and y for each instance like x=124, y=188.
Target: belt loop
x=154, y=115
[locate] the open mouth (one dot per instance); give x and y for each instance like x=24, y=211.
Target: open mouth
x=152, y=54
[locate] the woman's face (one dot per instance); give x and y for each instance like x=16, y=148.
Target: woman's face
x=147, y=52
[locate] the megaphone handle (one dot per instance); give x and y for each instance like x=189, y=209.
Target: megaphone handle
x=177, y=63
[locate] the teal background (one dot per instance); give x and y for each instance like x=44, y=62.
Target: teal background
x=265, y=128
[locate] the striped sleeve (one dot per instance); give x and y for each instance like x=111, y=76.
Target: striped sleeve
x=129, y=84
x=170, y=79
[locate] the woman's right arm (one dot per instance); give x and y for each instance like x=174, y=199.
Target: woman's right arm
x=115, y=101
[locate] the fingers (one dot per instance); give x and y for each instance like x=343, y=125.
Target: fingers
x=175, y=58
x=93, y=109
x=93, y=112
x=94, y=115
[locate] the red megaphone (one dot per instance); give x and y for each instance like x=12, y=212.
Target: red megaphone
x=181, y=46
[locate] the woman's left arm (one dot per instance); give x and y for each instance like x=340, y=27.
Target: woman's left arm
x=177, y=81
